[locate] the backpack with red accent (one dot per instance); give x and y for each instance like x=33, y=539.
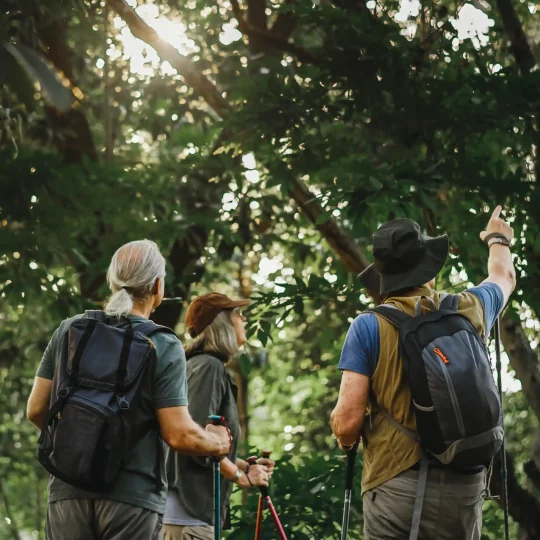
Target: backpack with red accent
x=454, y=397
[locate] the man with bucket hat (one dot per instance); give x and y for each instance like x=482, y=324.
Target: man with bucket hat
x=409, y=492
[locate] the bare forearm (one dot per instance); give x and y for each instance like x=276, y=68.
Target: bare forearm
x=192, y=440
x=500, y=266
x=346, y=427
x=241, y=464
x=501, y=269
x=38, y=419
x=228, y=469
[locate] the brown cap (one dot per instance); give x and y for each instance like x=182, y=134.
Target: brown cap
x=204, y=309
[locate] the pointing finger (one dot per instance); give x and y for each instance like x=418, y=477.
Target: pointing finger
x=496, y=212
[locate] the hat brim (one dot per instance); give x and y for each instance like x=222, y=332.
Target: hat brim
x=429, y=266
x=370, y=278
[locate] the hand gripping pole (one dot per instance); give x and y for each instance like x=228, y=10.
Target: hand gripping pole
x=265, y=497
x=217, y=421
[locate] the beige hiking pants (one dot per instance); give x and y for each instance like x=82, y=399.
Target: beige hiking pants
x=452, y=507
x=181, y=532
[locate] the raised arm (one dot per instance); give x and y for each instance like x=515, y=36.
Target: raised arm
x=500, y=265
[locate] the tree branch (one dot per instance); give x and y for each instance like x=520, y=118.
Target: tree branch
x=523, y=359
x=522, y=505
x=269, y=40
x=532, y=471
x=348, y=250
x=257, y=14
x=519, y=44
x=75, y=140
x=285, y=22
x=192, y=75
x=482, y=5
x=351, y=5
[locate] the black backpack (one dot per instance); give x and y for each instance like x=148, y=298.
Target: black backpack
x=94, y=422
x=454, y=397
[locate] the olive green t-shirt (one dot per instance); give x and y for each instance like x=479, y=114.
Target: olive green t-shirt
x=136, y=482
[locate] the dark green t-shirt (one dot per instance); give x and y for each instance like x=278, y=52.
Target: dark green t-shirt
x=136, y=483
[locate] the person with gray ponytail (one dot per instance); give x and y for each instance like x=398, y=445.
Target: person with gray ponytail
x=135, y=268
x=133, y=503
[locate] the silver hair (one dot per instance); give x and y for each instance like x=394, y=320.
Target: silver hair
x=131, y=275
x=218, y=337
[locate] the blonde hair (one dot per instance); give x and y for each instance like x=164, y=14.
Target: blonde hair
x=133, y=272
x=218, y=337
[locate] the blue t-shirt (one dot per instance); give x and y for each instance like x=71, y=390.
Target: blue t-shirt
x=362, y=348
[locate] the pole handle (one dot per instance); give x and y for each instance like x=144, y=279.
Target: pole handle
x=351, y=460
x=216, y=420
x=253, y=461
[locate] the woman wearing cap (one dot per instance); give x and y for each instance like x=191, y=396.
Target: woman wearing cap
x=216, y=325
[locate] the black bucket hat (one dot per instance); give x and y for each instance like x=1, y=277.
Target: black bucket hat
x=404, y=257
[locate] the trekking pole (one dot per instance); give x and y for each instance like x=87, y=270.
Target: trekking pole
x=260, y=507
x=504, y=472
x=265, y=497
x=349, y=478
x=217, y=421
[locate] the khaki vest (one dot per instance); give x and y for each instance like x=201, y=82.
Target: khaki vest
x=387, y=450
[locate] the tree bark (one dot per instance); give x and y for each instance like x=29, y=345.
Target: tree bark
x=522, y=505
x=285, y=22
x=75, y=140
x=523, y=359
x=257, y=14
x=519, y=45
x=263, y=40
x=348, y=250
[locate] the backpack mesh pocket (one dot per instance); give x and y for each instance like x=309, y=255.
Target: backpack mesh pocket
x=78, y=438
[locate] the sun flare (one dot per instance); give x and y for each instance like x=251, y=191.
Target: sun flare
x=143, y=59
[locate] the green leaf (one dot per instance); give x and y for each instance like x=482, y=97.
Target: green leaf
x=245, y=364
x=262, y=336
x=323, y=218
x=376, y=184
x=39, y=71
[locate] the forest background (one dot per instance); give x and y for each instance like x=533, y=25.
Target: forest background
x=260, y=143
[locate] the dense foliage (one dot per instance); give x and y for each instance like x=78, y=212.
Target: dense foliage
x=261, y=153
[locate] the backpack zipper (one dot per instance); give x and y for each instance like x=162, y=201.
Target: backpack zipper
x=453, y=397
x=441, y=355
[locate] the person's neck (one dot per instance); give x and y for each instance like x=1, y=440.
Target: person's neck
x=143, y=310
x=423, y=290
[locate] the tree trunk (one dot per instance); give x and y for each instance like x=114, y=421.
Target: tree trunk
x=523, y=359
x=11, y=520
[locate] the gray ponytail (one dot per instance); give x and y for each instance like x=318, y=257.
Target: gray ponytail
x=131, y=275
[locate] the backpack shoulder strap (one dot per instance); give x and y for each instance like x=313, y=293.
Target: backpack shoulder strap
x=97, y=315
x=150, y=328
x=393, y=315
x=450, y=302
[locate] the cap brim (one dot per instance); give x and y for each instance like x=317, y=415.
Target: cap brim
x=239, y=303
x=428, y=268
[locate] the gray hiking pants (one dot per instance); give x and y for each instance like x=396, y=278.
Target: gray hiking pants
x=452, y=507
x=88, y=519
